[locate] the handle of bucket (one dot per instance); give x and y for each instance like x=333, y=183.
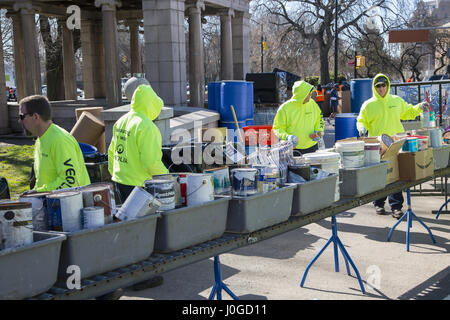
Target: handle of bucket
x=203, y=183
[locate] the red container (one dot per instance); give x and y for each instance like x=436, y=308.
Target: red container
x=264, y=135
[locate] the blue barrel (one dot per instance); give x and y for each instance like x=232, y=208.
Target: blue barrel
x=87, y=149
x=361, y=90
x=345, y=126
x=215, y=94
x=250, y=105
x=235, y=94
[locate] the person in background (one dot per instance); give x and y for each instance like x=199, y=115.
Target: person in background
x=320, y=96
x=381, y=114
x=58, y=160
x=300, y=119
x=334, y=100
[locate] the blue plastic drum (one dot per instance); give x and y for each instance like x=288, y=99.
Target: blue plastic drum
x=250, y=105
x=235, y=93
x=361, y=90
x=345, y=126
x=215, y=94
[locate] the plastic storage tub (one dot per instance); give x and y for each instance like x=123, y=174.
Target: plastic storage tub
x=112, y=246
x=247, y=214
x=32, y=269
x=361, y=181
x=187, y=226
x=306, y=199
x=441, y=157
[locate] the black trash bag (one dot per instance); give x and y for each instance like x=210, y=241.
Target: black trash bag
x=4, y=189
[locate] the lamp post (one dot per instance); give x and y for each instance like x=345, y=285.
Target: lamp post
x=336, y=44
x=262, y=48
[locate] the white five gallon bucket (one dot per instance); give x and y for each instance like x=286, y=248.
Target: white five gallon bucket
x=93, y=217
x=372, y=153
x=16, y=221
x=138, y=204
x=352, y=153
x=200, y=188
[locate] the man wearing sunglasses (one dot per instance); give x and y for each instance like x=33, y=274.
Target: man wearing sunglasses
x=58, y=160
x=381, y=114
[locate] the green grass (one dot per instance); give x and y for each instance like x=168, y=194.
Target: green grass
x=15, y=166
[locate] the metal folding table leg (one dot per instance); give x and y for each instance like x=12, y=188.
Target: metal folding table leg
x=336, y=244
x=218, y=283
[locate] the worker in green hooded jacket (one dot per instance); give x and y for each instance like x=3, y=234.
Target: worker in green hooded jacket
x=300, y=119
x=135, y=153
x=381, y=114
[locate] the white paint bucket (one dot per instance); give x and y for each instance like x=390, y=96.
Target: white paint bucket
x=436, y=138
x=138, y=204
x=16, y=221
x=372, y=153
x=64, y=210
x=39, y=207
x=93, y=217
x=327, y=161
x=244, y=181
x=100, y=195
x=176, y=184
x=163, y=191
x=200, y=188
x=352, y=153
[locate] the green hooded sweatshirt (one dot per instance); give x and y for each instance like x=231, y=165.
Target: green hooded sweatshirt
x=58, y=161
x=299, y=119
x=135, y=154
x=382, y=115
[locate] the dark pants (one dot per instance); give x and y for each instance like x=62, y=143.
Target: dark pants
x=312, y=149
x=123, y=191
x=320, y=104
x=395, y=201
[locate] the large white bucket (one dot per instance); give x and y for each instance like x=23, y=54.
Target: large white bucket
x=200, y=188
x=327, y=161
x=39, y=207
x=372, y=153
x=16, y=222
x=138, y=204
x=64, y=210
x=352, y=153
x=93, y=217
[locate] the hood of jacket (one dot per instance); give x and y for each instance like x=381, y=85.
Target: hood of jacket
x=300, y=90
x=147, y=102
x=374, y=90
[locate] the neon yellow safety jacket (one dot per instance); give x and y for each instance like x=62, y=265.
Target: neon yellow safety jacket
x=134, y=154
x=58, y=161
x=382, y=115
x=299, y=119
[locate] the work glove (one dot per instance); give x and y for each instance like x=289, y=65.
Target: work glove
x=425, y=106
x=362, y=132
x=293, y=139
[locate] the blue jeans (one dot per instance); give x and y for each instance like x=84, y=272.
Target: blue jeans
x=395, y=201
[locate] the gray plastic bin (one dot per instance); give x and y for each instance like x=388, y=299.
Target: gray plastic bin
x=112, y=246
x=187, y=226
x=314, y=195
x=441, y=156
x=32, y=269
x=247, y=214
x=357, y=182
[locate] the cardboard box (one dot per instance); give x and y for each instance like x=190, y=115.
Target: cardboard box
x=416, y=165
x=345, y=102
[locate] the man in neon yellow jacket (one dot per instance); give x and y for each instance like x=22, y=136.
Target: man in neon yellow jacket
x=300, y=119
x=135, y=153
x=381, y=114
x=58, y=160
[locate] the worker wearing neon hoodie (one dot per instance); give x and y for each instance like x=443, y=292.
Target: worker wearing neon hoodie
x=58, y=160
x=300, y=119
x=381, y=114
x=135, y=154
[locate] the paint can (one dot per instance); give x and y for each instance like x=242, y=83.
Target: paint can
x=352, y=153
x=163, y=191
x=16, y=222
x=436, y=137
x=221, y=178
x=200, y=188
x=93, y=217
x=100, y=195
x=244, y=181
x=411, y=145
x=39, y=208
x=372, y=153
x=183, y=186
x=176, y=184
x=64, y=211
x=138, y=204
x=267, y=177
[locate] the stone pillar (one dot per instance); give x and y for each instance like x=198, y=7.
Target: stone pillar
x=4, y=126
x=165, y=49
x=226, y=44
x=19, y=60
x=70, y=76
x=196, y=63
x=93, y=66
x=111, y=52
x=241, y=44
x=135, y=50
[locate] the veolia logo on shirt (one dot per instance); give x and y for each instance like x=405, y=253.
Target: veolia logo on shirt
x=70, y=175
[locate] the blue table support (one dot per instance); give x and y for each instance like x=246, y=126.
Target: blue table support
x=409, y=215
x=218, y=283
x=336, y=244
